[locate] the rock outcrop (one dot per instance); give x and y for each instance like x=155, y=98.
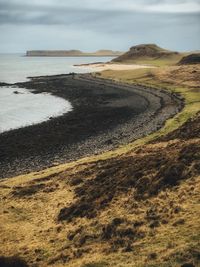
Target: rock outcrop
x=145, y=51
x=190, y=59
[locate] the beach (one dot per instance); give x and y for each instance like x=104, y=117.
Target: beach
x=101, y=66
x=105, y=115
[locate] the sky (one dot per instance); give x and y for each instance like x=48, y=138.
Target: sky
x=90, y=25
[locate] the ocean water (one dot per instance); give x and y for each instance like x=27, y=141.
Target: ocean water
x=19, y=108
x=25, y=108
x=17, y=68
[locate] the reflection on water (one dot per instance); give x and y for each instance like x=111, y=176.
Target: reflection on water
x=20, y=107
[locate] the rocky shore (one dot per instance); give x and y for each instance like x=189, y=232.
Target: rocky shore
x=105, y=115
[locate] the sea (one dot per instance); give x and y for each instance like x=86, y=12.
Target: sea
x=20, y=107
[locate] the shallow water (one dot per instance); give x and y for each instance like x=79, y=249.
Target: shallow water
x=25, y=108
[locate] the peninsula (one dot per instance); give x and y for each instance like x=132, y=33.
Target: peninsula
x=72, y=53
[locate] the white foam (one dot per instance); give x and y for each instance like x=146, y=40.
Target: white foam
x=25, y=108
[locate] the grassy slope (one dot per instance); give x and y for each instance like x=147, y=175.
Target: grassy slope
x=183, y=80
x=31, y=203
x=170, y=60
x=150, y=54
x=186, y=83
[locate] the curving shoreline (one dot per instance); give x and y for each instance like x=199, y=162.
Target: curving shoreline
x=106, y=114
x=13, y=109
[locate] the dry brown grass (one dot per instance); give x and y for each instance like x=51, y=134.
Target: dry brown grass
x=188, y=76
x=179, y=75
x=137, y=209
x=157, y=221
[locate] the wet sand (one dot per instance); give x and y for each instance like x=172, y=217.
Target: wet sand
x=105, y=115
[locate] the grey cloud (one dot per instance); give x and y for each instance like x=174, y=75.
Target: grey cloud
x=34, y=14
x=51, y=17
x=93, y=24
x=98, y=5
x=12, y=12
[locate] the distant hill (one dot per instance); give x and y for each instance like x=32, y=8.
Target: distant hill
x=146, y=51
x=190, y=59
x=71, y=53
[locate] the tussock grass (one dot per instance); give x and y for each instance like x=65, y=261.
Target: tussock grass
x=186, y=84
x=31, y=203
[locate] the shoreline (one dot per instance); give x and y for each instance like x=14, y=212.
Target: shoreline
x=101, y=66
x=89, y=129
x=40, y=107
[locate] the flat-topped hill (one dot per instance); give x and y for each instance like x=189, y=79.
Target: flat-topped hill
x=145, y=51
x=190, y=59
x=71, y=53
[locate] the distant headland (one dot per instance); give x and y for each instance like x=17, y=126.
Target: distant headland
x=72, y=53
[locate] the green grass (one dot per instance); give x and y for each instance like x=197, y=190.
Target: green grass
x=158, y=62
x=143, y=77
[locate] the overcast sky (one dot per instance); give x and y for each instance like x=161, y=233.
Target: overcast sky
x=90, y=25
